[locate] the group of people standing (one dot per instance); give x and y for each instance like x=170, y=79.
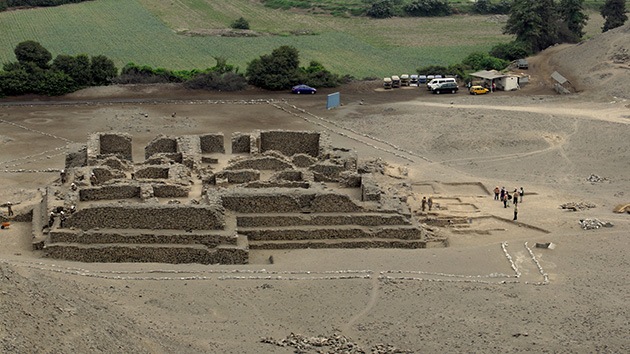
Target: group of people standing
x=504, y=196
x=427, y=203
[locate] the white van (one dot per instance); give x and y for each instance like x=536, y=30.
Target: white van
x=433, y=84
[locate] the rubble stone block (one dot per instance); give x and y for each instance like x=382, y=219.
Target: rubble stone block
x=370, y=191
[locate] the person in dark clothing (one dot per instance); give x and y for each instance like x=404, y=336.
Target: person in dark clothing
x=515, y=211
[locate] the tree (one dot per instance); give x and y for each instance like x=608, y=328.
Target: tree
x=241, y=23
x=614, y=13
x=32, y=52
x=103, y=70
x=78, y=68
x=509, y=51
x=484, y=61
x=276, y=71
x=533, y=22
x=572, y=15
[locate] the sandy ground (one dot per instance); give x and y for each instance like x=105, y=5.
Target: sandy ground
x=464, y=298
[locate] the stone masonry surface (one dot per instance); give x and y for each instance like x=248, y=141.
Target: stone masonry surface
x=173, y=217
x=290, y=142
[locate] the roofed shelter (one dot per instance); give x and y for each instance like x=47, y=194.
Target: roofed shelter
x=501, y=81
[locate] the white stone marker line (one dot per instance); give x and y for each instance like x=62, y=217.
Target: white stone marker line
x=493, y=275
x=504, y=246
x=271, y=275
x=451, y=280
x=540, y=269
x=36, y=131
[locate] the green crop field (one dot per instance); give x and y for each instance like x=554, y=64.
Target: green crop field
x=149, y=32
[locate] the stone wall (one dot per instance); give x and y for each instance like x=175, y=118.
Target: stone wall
x=290, y=142
x=170, y=216
x=148, y=253
x=288, y=175
x=327, y=169
x=332, y=233
x=345, y=243
x=303, y=160
x=262, y=163
x=118, y=144
x=239, y=176
x=212, y=143
x=160, y=144
x=99, y=237
x=320, y=220
x=293, y=201
x=123, y=191
x=105, y=173
x=241, y=143
x=170, y=191
x=165, y=158
x=152, y=172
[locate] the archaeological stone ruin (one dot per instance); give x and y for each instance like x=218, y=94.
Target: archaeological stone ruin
x=193, y=201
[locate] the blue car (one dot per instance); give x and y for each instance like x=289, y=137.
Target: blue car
x=299, y=89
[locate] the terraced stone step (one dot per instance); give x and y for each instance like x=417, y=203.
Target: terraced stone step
x=147, y=253
x=331, y=232
x=320, y=219
x=338, y=243
x=108, y=236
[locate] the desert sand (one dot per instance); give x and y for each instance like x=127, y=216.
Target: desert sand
x=490, y=291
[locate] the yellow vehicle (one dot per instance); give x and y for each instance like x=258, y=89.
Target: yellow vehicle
x=478, y=90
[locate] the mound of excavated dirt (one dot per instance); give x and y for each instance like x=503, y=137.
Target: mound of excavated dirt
x=599, y=66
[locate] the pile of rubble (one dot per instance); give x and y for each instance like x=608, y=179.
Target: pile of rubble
x=591, y=224
x=595, y=178
x=577, y=206
x=335, y=343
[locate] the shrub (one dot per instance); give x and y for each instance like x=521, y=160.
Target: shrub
x=509, y=51
x=483, y=61
x=241, y=23
x=381, y=9
x=317, y=76
x=215, y=81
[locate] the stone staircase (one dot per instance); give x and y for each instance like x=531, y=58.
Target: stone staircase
x=329, y=230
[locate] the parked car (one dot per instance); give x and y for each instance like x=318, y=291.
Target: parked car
x=299, y=89
x=413, y=80
x=395, y=81
x=404, y=80
x=445, y=87
x=387, y=83
x=478, y=90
